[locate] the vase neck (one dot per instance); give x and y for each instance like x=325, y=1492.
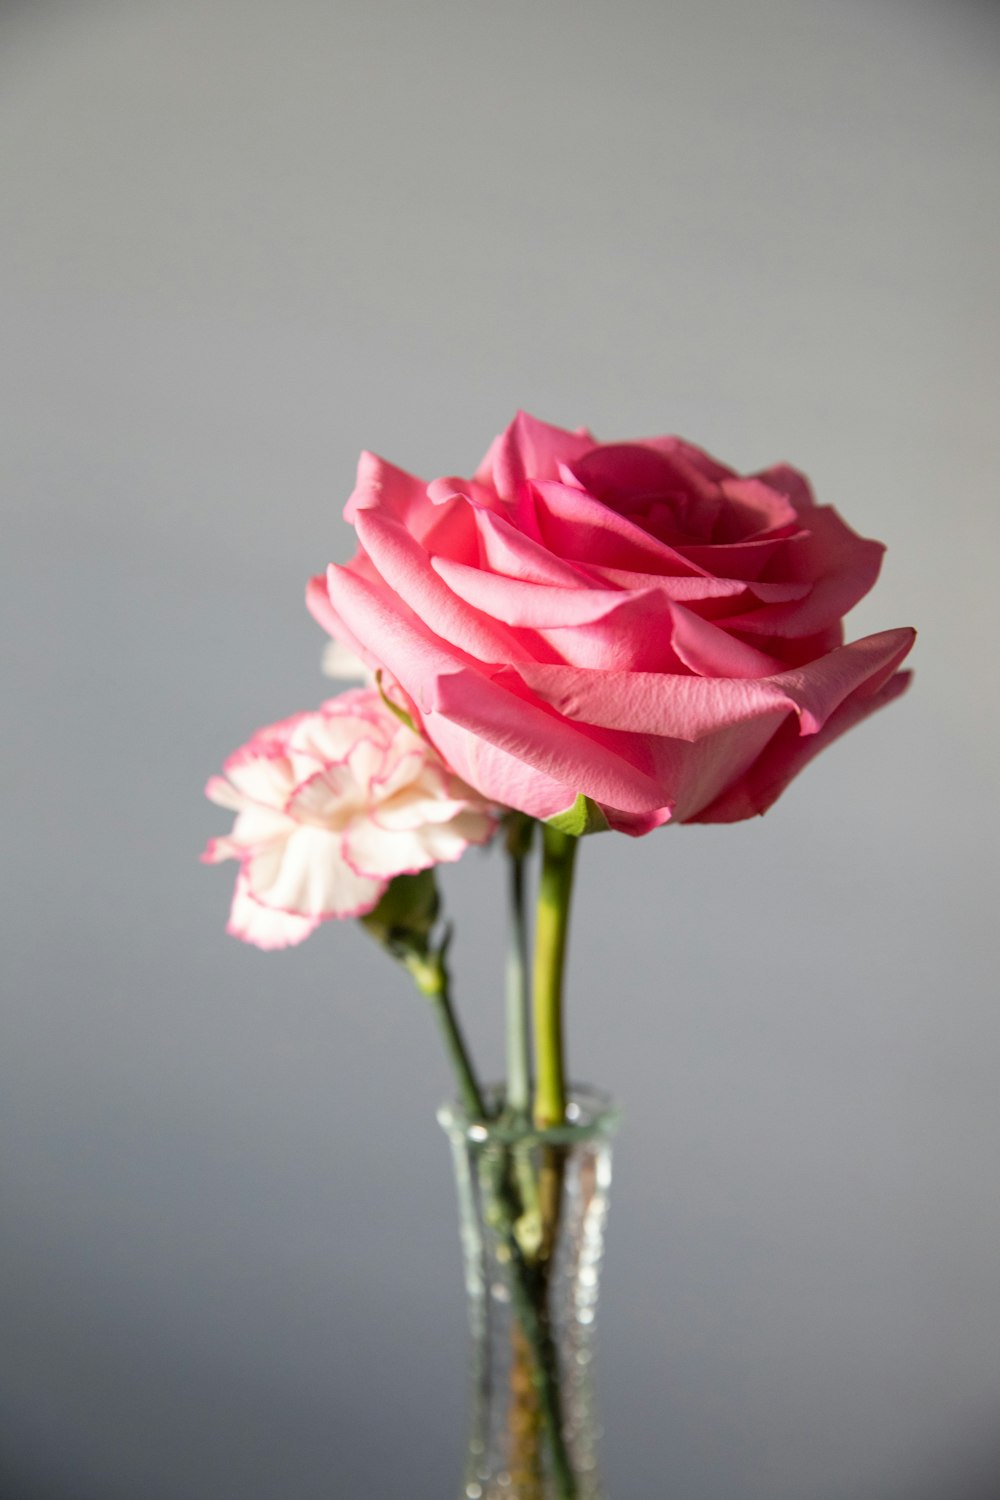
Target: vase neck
x=532, y=1211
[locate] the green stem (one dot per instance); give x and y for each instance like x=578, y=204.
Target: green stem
x=431, y=976
x=529, y=1285
x=551, y=931
x=518, y=1040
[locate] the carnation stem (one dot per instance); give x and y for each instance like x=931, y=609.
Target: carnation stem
x=433, y=981
x=518, y=1093
x=551, y=930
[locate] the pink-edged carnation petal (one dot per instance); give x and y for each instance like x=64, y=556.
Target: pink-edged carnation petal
x=330, y=807
x=261, y=925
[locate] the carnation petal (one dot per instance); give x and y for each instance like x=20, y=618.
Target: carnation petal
x=261, y=925
x=341, y=663
x=223, y=793
x=312, y=878
x=377, y=853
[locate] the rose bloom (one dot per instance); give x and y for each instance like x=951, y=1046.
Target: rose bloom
x=329, y=807
x=631, y=621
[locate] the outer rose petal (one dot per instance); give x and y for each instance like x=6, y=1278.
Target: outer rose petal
x=690, y=708
x=788, y=753
x=382, y=485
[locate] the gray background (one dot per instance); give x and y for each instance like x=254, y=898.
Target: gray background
x=240, y=242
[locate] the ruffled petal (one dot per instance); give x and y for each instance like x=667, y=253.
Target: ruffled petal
x=376, y=853
x=261, y=925
x=312, y=878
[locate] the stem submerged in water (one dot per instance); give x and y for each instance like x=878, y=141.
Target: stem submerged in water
x=529, y=1284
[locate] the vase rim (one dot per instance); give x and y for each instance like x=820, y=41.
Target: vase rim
x=591, y=1113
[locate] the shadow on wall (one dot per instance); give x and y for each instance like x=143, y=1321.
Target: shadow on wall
x=967, y=1468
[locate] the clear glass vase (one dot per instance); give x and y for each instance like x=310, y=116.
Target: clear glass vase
x=532, y=1208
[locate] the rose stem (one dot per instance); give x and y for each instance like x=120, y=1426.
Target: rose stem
x=519, y=838
x=433, y=981
x=551, y=930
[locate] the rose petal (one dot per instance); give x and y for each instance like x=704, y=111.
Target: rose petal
x=788, y=753
x=591, y=760
x=508, y=552
x=745, y=560
x=688, y=708
x=581, y=529
x=791, y=483
x=712, y=652
x=407, y=570
x=697, y=458
x=531, y=449
x=380, y=484
x=843, y=567
x=753, y=509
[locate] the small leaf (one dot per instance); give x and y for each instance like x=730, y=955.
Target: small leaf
x=394, y=708
x=583, y=817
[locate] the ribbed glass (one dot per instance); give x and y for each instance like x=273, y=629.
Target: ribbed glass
x=532, y=1209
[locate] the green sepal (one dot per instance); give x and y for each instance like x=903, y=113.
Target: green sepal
x=394, y=708
x=583, y=817
x=403, y=920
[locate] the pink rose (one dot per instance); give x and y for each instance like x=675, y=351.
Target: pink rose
x=330, y=806
x=630, y=621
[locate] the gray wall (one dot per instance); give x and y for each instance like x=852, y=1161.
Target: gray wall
x=241, y=241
